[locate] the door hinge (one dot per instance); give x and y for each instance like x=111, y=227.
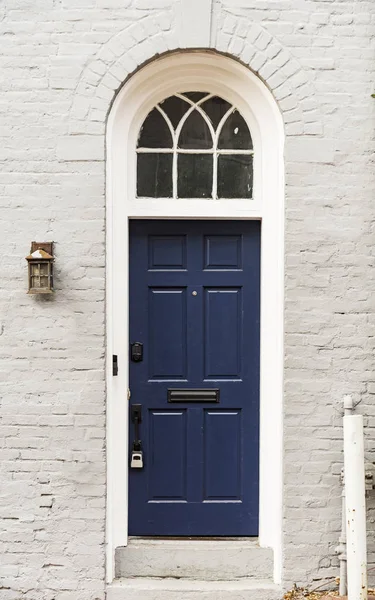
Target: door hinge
x=114, y=365
x=129, y=394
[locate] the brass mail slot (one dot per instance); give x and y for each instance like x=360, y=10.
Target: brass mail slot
x=194, y=395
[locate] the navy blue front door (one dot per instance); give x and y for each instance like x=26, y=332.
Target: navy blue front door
x=194, y=305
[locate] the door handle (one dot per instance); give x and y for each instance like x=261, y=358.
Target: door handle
x=136, y=416
x=136, y=461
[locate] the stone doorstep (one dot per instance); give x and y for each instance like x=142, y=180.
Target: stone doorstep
x=226, y=559
x=187, y=589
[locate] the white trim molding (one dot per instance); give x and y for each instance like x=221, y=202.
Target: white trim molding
x=174, y=73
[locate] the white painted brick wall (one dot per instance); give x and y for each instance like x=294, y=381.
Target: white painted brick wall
x=60, y=64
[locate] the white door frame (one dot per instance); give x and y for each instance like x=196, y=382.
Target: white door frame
x=198, y=71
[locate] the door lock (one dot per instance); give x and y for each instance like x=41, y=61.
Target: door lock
x=136, y=352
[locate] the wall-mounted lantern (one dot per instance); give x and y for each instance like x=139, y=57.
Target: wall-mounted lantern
x=40, y=264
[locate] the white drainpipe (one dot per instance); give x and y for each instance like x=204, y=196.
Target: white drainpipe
x=341, y=548
x=355, y=507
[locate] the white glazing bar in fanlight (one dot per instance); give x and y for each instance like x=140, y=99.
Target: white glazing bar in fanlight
x=193, y=106
x=194, y=151
x=222, y=121
x=185, y=117
x=175, y=167
x=233, y=151
x=215, y=165
x=154, y=150
x=167, y=120
x=192, y=102
x=207, y=198
x=174, y=156
x=214, y=176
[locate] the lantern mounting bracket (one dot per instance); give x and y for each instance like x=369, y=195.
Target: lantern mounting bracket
x=46, y=246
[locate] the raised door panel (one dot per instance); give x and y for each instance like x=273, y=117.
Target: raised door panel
x=167, y=456
x=222, y=333
x=223, y=252
x=166, y=252
x=167, y=333
x=222, y=455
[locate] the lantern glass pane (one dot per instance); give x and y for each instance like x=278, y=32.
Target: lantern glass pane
x=44, y=282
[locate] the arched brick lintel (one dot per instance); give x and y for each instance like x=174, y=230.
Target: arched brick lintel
x=132, y=48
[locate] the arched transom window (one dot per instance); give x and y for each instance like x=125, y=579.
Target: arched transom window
x=194, y=145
